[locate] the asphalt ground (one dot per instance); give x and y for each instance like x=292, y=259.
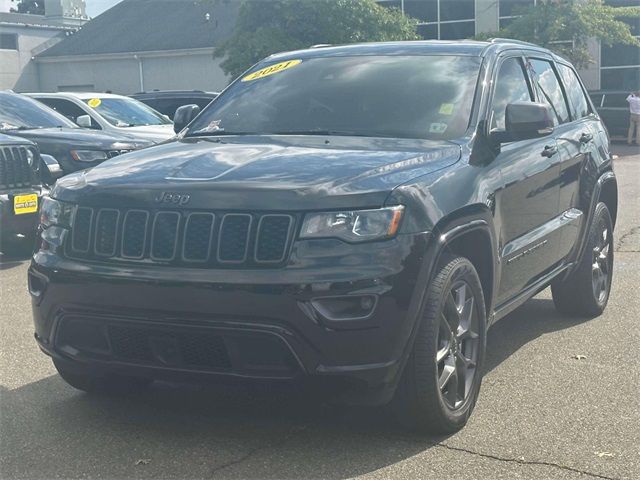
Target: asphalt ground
x=560, y=399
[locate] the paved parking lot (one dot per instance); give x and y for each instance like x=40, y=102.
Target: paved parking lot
x=542, y=412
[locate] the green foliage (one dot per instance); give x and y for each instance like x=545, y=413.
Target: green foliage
x=264, y=28
x=35, y=7
x=566, y=26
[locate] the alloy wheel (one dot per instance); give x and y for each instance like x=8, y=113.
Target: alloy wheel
x=457, y=353
x=600, y=268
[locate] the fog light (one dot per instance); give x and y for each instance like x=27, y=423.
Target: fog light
x=346, y=307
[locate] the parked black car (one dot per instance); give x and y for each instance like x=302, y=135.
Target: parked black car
x=613, y=108
x=21, y=189
x=74, y=148
x=359, y=213
x=168, y=101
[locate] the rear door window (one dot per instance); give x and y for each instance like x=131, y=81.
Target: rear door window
x=615, y=100
x=577, y=99
x=549, y=90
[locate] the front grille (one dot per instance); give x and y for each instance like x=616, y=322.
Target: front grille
x=181, y=238
x=15, y=171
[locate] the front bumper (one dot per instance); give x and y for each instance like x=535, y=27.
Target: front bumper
x=267, y=323
x=12, y=224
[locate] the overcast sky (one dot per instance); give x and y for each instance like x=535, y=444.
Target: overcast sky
x=96, y=7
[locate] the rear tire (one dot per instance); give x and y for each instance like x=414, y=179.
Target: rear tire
x=82, y=379
x=441, y=380
x=585, y=292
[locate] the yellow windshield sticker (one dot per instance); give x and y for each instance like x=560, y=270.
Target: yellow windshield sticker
x=94, y=102
x=270, y=70
x=446, y=109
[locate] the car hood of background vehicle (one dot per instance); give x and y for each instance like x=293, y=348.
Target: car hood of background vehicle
x=260, y=172
x=74, y=137
x=154, y=133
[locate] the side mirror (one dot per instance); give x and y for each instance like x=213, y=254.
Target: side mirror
x=526, y=120
x=183, y=116
x=84, y=121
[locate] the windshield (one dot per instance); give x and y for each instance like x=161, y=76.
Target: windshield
x=126, y=112
x=22, y=113
x=426, y=97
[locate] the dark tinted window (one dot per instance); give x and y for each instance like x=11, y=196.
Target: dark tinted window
x=8, y=41
x=513, y=7
x=391, y=96
x=457, y=30
x=620, y=78
x=428, y=32
x=17, y=111
x=67, y=108
x=423, y=10
x=549, y=88
x=457, y=10
x=511, y=86
x=616, y=100
x=577, y=100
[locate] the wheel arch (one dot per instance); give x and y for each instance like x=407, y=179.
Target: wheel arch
x=470, y=233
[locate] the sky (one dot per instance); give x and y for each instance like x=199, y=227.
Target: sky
x=96, y=7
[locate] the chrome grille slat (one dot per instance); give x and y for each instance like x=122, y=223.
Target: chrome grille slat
x=15, y=171
x=196, y=239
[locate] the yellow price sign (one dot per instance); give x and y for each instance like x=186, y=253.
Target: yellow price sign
x=270, y=70
x=25, y=203
x=94, y=102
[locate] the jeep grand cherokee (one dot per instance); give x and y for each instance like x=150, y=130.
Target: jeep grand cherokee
x=361, y=213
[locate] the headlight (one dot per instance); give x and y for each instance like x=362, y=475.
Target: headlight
x=53, y=212
x=30, y=157
x=88, y=155
x=353, y=226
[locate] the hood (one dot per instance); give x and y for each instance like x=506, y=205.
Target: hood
x=153, y=133
x=76, y=138
x=260, y=172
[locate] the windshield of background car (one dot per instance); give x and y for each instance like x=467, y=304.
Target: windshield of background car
x=18, y=112
x=126, y=112
x=425, y=97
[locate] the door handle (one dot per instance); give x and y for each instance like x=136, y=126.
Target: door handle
x=549, y=151
x=586, y=138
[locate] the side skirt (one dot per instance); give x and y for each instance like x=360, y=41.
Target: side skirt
x=510, y=305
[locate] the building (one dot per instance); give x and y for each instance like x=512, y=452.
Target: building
x=140, y=45
x=23, y=36
x=616, y=67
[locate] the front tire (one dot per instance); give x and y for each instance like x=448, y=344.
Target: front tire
x=441, y=380
x=585, y=292
x=87, y=381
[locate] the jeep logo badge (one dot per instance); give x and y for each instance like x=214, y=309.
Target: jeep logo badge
x=173, y=198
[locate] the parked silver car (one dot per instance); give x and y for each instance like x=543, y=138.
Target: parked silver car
x=110, y=113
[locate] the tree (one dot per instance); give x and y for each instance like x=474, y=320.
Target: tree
x=35, y=7
x=264, y=28
x=565, y=26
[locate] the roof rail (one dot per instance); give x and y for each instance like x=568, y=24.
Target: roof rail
x=321, y=45
x=511, y=40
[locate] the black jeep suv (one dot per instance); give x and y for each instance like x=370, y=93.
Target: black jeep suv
x=360, y=213
x=21, y=189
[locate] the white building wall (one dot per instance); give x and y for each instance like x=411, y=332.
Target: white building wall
x=122, y=74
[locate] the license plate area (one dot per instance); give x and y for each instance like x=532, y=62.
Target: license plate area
x=25, y=203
